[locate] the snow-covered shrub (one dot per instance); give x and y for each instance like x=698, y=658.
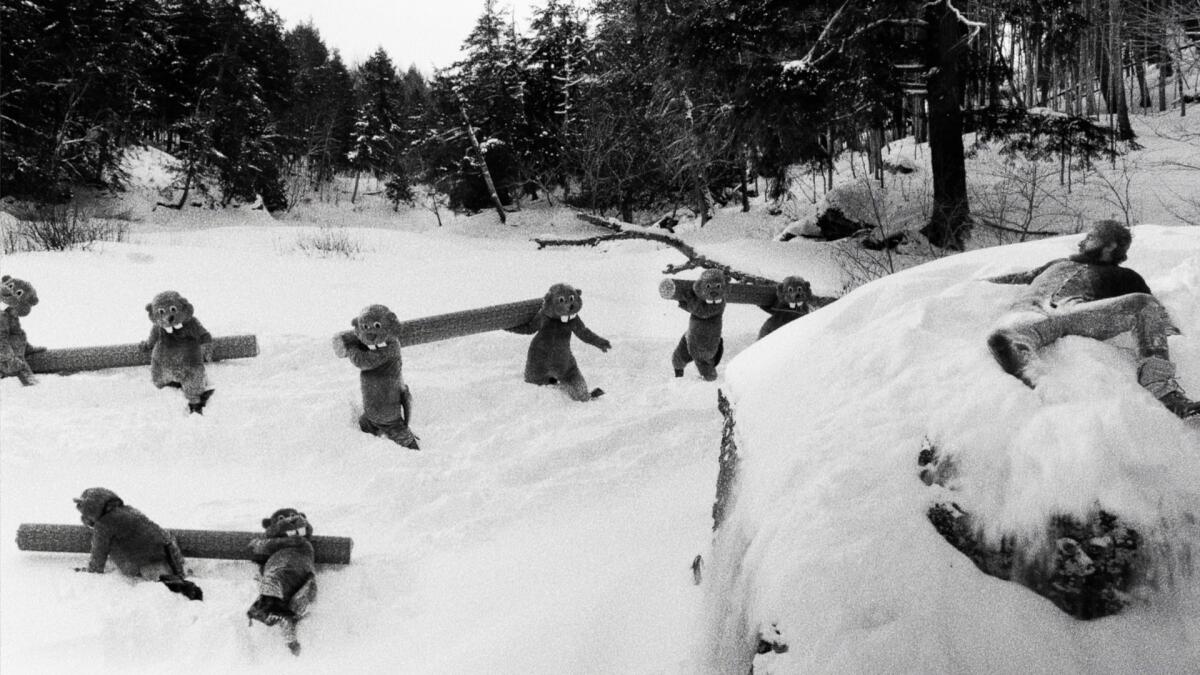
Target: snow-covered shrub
x=60, y=228
x=1088, y=567
x=328, y=241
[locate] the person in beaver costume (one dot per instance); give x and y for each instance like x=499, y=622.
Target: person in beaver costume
x=549, y=360
x=179, y=345
x=374, y=348
x=793, y=299
x=287, y=572
x=17, y=298
x=702, y=343
x=136, y=544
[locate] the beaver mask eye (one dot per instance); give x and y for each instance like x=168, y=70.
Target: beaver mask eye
x=19, y=292
x=173, y=309
x=161, y=311
x=377, y=325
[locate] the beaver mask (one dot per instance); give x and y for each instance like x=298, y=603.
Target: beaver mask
x=287, y=523
x=374, y=325
x=169, y=311
x=711, y=286
x=793, y=291
x=562, y=302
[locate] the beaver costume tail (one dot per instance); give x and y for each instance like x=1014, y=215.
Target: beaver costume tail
x=182, y=586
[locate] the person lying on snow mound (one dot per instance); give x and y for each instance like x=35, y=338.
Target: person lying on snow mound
x=1089, y=294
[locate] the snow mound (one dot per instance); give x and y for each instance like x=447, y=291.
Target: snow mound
x=827, y=540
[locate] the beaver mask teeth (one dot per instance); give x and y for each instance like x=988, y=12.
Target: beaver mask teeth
x=294, y=533
x=177, y=326
x=168, y=329
x=372, y=347
x=564, y=318
x=792, y=305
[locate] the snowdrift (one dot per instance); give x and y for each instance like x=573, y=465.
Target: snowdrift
x=827, y=541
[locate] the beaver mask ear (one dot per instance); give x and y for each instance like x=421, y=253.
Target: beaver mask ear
x=4, y=278
x=354, y=323
x=393, y=328
x=112, y=503
x=187, y=306
x=266, y=523
x=150, y=310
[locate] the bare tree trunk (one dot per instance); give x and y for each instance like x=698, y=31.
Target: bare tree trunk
x=1117, y=102
x=744, y=186
x=950, y=221
x=483, y=167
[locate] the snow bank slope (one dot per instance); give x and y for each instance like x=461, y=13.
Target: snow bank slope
x=531, y=534
x=828, y=538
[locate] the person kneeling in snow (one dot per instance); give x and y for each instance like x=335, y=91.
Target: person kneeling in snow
x=1089, y=294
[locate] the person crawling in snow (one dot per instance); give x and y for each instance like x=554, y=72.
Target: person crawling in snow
x=1089, y=294
x=138, y=546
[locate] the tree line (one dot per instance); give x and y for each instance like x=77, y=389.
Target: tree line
x=622, y=106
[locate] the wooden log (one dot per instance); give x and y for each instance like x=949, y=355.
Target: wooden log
x=226, y=545
x=744, y=294
x=468, y=322
x=75, y=359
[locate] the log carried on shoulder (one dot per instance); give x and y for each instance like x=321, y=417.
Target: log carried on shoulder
x=468, y=322
x=75, y=359
x=53, y=538
x=745, y=294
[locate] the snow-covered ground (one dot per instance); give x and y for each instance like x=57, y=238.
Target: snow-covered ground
x=533, y=534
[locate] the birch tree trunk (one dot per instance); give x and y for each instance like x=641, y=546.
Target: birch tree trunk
x=483, y=167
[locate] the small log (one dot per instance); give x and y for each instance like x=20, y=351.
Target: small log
x=744, y=294
x=75, y=359
x=468, y=322
x=54, y=538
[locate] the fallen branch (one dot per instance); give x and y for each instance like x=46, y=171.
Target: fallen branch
x=695, y=259
x=1032, y=233
x=590, y=241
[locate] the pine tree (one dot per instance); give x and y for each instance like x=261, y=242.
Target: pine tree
x=375, y=147
x=556, y=61
x=77, y=81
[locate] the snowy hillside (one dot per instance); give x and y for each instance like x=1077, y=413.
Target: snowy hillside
x=532, y=534
x=827, y=539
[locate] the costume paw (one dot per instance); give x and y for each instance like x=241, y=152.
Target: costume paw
x=339, y=345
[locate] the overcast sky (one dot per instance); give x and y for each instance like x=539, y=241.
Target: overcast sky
x=428, y=33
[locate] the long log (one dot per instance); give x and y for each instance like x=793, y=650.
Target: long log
x=75, y=359
x=226, y=545
x=468, y=322
x=744, y=294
